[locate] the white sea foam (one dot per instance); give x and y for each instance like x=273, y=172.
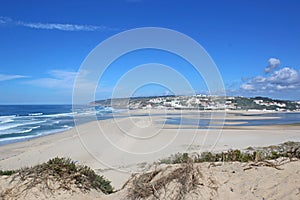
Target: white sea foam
x=14, y=125
x=35, y=127
x=7, y=116
x=35, y=114
x=58, y=115
x=7, y=119
x=12, y=139
x=35, y=124
x=28, y=130
x=25, y=131
x=25, y=137
x=67, y=127
x=86, y=113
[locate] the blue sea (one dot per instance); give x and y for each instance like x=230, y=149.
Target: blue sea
x=23, y=122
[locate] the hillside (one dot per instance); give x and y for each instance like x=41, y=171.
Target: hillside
x=200, y=102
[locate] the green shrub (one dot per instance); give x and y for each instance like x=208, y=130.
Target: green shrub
x=287, y=149
x=7, y=172
x=176, y=159
x=181, y=158
x=65, y=173
x=83, y=175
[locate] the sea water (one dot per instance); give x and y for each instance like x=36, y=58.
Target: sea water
x=276, y=118
x=22, y=122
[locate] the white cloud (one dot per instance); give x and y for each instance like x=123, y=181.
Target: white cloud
x=247, y=86
x=63, y=83
x=278, y=83
x=64, y=27
x=63, y=79
x=285, y=76
x=56, y=26
x=285, y=79
x=259, y=79
x=59, y=79
x=5, y=77
x=4, y=20
x=273, y=64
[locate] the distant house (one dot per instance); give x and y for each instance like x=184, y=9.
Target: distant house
x=176, y=104
x=148, y=106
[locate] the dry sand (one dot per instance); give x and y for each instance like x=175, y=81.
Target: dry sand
x=221, y=181
x=119, y=147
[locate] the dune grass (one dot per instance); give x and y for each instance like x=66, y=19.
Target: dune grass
x=186, y=176
x=287, y=150
x=57, y=173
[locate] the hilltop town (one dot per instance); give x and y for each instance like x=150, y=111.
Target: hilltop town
x=201, y=102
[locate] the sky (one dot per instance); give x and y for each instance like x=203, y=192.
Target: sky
x=254, y=43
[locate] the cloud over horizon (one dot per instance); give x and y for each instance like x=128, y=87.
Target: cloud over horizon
x=58, y=79
x=6, y=77
x=273, y=64
x=63, y=79
x=4, y=20
x=55, y=26
x=281, y=81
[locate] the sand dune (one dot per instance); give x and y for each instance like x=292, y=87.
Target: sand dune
x=199, y=181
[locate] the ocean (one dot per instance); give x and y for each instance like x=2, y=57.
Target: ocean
x=23, y=122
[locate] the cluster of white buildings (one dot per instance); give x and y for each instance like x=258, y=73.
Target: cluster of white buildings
x=272, y=103
x=191, y=102
x=206, y=102
x=202, y=102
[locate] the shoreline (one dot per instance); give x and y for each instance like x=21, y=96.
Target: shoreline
x=118, y=147
x=187, y=114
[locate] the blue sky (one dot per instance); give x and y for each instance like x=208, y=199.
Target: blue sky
x=254, y=43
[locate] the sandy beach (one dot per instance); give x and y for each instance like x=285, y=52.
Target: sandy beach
x=122, y=146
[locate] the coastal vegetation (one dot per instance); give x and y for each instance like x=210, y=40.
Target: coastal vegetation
x=7, y=172
x=57, y=173
x=173, y=177
x=289, y=150
x=183, y=177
